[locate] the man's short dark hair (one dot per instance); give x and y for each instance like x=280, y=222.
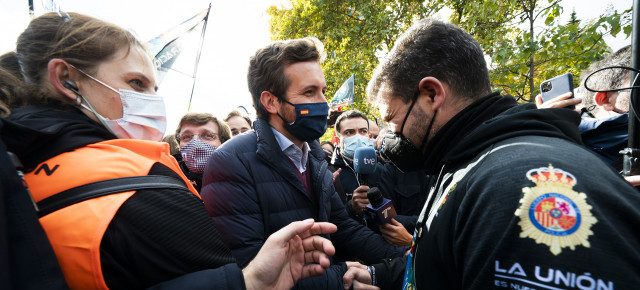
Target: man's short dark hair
x=430, y=48
x=349, y=115
x=266, y=67
x=236, y=113
x=607, y=79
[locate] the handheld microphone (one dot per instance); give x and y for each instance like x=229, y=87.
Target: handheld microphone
x=364, y=163
x=379, y=208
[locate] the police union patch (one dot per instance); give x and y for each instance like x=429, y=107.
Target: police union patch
x=552, y=213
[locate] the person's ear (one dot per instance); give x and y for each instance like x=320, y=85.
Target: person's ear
x=603, y=100
x=59, y=73
x=431, y=92
x=270, y=102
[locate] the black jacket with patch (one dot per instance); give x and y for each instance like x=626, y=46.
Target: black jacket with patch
x=519, y=203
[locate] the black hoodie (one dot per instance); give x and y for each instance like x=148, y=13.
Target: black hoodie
x=490, y=120
x=36, y=134
x=478, y=231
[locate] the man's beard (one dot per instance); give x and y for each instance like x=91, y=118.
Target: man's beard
x=285, y=115
x=415, y=130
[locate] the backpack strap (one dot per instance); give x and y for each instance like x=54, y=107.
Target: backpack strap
x=105, y=187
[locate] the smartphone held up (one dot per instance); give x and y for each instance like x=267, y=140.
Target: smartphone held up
x=557, y=86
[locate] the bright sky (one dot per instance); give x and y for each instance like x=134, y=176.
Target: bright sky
x=236, y=29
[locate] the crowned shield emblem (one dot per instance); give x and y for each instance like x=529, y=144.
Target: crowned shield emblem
x=552, y=213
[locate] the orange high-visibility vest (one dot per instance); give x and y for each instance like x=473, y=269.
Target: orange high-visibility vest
x=75, y=232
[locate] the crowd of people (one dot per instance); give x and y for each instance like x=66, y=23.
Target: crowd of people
x=486, y=192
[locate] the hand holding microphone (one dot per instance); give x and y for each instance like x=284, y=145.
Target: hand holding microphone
x=380, y=208
x=364, y=163
x=395, y=234
x=359, y=200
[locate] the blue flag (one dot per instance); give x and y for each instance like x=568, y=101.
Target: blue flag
x=344, y=95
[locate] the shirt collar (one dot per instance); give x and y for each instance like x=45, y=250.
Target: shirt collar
x=295, y=154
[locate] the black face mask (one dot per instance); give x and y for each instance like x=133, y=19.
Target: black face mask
x=400, y=151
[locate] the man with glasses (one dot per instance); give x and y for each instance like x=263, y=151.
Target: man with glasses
x=198, y=135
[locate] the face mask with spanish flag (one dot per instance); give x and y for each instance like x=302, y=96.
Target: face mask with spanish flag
x=311, y=120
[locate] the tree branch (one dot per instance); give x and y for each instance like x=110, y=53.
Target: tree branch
x=572, y=55
x=546, y=8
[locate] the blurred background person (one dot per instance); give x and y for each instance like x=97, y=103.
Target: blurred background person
x=171, y=139
x=607, y=133
x=374, y=131
x=198, y=135
x=328, y=148
x=9, y=77
x=238, y=122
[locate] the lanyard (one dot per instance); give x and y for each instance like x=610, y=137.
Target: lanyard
x=445, y=182
x=409, y=282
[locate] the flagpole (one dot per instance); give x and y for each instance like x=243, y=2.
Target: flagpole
x=31, y=12
x=195, y=69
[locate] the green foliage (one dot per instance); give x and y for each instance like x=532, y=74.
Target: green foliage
x=524, y=39
x=523, y=51
x=328, y=135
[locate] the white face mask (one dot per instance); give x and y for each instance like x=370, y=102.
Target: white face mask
x=143, y=115
x=354, y=142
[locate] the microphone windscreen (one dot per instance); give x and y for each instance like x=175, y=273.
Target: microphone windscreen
x=375, y=196
x=364, y=160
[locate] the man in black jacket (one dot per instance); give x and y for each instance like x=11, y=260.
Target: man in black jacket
x=353, y=129
x=513, y=205
x=264, y=179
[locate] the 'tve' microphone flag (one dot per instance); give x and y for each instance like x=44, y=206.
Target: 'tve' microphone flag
x=380, y=208
x=364, y=162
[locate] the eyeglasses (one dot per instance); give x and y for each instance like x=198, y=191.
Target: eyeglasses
x=208, y=136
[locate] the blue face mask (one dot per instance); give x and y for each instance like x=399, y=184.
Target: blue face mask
x=354, y=142
x=311, y=120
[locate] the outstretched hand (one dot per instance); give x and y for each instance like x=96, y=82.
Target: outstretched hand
x=289, y=255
